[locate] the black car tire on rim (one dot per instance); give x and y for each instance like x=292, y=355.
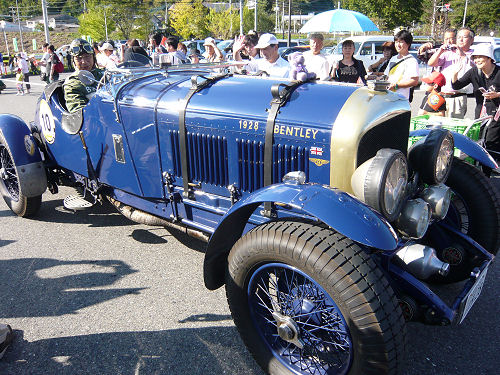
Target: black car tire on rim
x=9, y=185
x=340, y=286
x=475, y=211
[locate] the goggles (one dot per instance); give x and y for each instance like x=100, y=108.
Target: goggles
x=82, y=48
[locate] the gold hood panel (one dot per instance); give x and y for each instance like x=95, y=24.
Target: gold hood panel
x=363, y=110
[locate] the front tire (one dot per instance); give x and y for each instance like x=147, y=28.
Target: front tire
x=475, y=211
x=307, y=300
x=20, y=204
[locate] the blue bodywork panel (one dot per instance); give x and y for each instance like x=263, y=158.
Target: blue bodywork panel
x=15, y=132
x=465, y=144
x=331, y=206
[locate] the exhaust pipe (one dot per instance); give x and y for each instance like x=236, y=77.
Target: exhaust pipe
x=421, y=261
x=146, y=218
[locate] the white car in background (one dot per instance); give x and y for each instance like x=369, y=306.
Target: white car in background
x=62, y=51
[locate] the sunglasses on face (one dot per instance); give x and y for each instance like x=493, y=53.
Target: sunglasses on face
x=82, y=48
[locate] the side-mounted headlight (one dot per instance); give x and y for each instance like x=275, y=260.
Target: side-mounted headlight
x=432, y=156
x=381, y=181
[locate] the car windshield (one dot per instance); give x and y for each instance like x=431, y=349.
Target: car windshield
x=224, y=44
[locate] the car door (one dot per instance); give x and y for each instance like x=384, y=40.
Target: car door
x=366, y=53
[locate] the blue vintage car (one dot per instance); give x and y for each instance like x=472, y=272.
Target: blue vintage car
x=328, y=233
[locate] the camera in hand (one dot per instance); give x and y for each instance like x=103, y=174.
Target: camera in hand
x=451, y=48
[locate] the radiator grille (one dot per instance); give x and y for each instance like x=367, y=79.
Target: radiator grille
x=286, y=159
x=393, y=133
x=207, y=158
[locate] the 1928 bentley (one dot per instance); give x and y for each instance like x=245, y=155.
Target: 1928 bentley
x=327, y=231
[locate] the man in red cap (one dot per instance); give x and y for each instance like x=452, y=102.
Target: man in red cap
x=433, y=102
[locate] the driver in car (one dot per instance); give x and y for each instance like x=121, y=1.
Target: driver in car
x=76, y=93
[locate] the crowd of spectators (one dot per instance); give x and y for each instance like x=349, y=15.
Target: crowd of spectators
x=258, y=55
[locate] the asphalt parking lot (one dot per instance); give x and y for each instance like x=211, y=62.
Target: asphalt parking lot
x=93, y=293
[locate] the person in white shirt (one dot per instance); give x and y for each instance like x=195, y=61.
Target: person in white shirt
x=111, y=59
x=244, y=50
x=271, y=62
x=23, y=65
x=446, y=59
x=403, y=68
x=43, y=62
x=101, y=58
x=212, y=52
x=315, y=61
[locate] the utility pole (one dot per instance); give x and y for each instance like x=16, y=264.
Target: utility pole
x=105, y=23
x=255, y=17
x=45, y=21
x=231, y=17
x=433, y=28
x=2, y=23
x=276, y=10
x=241, y=17
x=289, y=23
x=465, y=14
x=19, y=24
x=166, y=14
x=283, y=19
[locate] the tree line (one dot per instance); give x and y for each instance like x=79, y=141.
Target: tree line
x=192, y=19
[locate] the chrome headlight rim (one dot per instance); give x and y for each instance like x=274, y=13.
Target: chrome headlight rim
x=432, y=156
x=371, y=182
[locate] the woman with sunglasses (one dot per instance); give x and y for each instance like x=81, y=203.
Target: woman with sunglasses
x=76, y=93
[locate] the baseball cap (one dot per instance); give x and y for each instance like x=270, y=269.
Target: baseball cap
x=483, y=49
x=106, y=46
x=208, y=41
x=435, y=77
x=266, y=40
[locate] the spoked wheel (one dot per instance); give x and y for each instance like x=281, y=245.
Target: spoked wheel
x=10, y=187
x=307, y=300
x=475, y=211
x=8, y=174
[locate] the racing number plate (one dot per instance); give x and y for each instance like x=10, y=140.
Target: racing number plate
x=473, y=294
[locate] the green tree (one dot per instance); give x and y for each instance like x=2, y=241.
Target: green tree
x=219, y=23
x=189, y=19
x=92, y=22
x=123, y=14
x=72, y=7
x=388, y=14
x=482, y=16
x=143, y=26
x=265, y=20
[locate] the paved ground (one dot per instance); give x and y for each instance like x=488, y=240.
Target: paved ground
x=92, y=293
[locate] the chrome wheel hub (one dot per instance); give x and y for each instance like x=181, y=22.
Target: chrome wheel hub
x=288, y=329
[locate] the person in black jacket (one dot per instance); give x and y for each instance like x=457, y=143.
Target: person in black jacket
x=485, y=79
x=134, y=52
x=349, y=69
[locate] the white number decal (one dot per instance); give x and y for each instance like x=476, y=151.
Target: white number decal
x=47, y=122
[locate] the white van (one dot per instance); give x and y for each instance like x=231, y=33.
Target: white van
x=367, y=48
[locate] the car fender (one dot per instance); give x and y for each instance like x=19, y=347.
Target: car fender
x=333, y=207
x=466, y=145
x=26, y=155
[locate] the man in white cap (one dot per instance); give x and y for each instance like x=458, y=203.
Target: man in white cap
x=485, y=81
x=212, y=52
x=315, y=61
x=111, y=60
x=271, y=62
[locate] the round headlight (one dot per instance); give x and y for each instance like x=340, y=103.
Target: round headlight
x=414, y=219
x=432, y=156
x=381, y=181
